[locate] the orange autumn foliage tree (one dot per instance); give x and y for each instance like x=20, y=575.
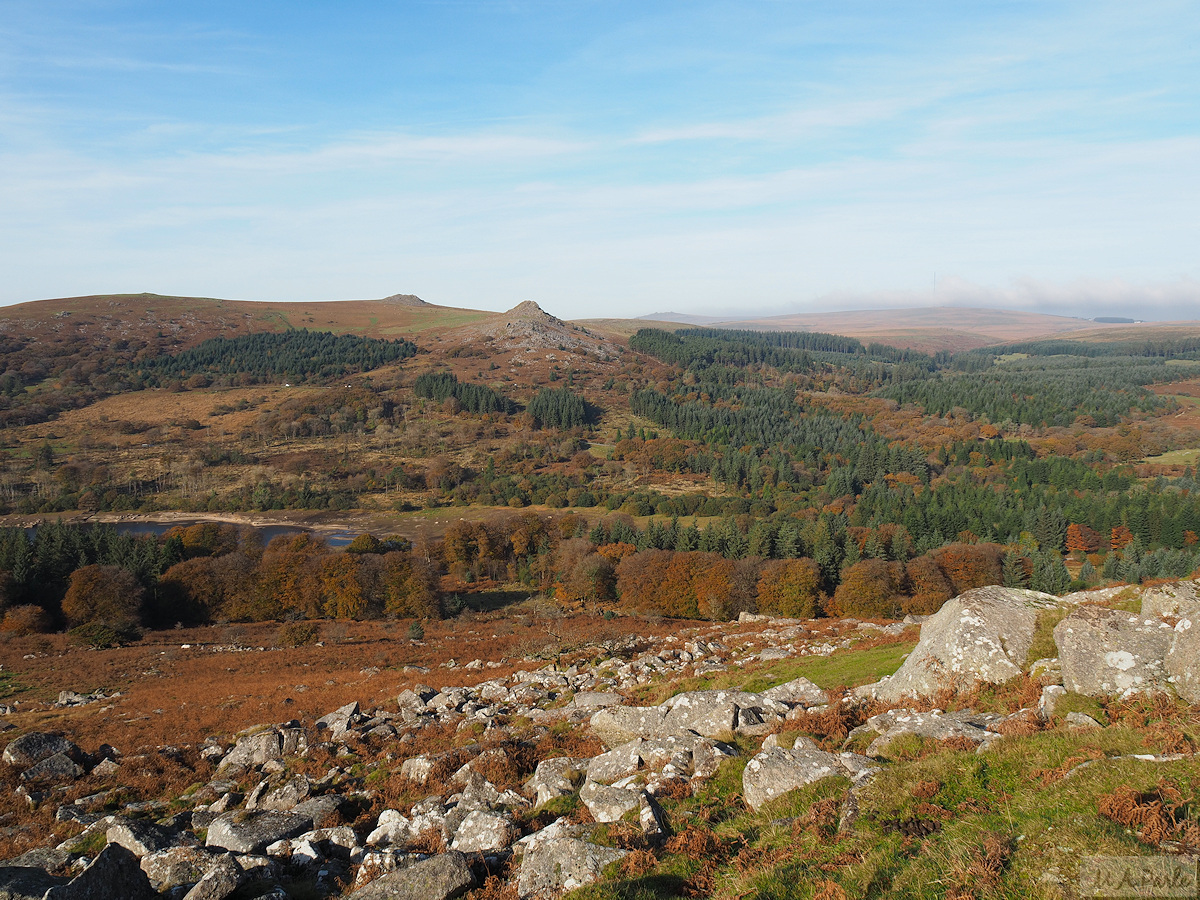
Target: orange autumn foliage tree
x=872, y=588
x=688, y=584
x=1120, y=538
x=714, y=585
x=343, y=592
x=616, y=552
x=1081, y=539
x=409, y=587
x=208, y=588
x=930, y=588
x=639, y=577
x=289, y=576
x=105, y=594
x=790, y=587
x=969, y=566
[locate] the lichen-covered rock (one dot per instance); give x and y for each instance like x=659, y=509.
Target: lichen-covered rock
x=616, y=763
x=1077, y=720
x=417, y=768
x=58, y=768
x=606, y=803
x=377, y=863
x=707, y=757
x=319, y=812
x=983, y=635
x=935, y=725
x=650, y=817
x=798, y=692
x=774, y=772
x=550, y=867
x=392, y=827
x=1111, y=652
x=219, y=882
x=708, y=713
x=1183, y=660
x=26, y=882
x=596, y=699
x=48, y=858
x=114, y=873
x=556, y=777
x=616, y=725
x=1052, y=696
x=439, y=877
x=253, y=750
x=288, y=795
x=30, y=749
x=1180, y=600
x=716, y=713
x=176, y=867
x=142, y=838
x=252, y=833
x=337, y=723
x=483, y=831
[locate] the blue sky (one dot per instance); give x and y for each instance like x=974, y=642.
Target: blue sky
x=606, y=158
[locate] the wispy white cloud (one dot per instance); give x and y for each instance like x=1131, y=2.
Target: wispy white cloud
x=995, y=161
x=1081, y=298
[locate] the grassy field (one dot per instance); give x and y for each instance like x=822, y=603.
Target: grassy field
x=1175, y=458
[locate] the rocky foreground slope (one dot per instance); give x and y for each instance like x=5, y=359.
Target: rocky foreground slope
x=521, y=783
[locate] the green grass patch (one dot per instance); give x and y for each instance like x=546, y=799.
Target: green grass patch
x=846, y=668
x=1043, y=646
x=1089, y=706
x=1177, y=457
x=10, y=684
x=1129, y=600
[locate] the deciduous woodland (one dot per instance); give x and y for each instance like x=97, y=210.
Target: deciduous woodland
x=693, y=473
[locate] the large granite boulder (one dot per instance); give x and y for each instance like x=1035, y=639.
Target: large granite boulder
x=983, y=635
x=439, y=877
x=934, y=725
x=798, y=692
x=484, y=831
x=556, y=777
x=142, y=838
x=775, y=771
x=219, y=882
x=716, y=713
x=26, y=882
x=58, y=768
x=1180, y=600
x=114, y=873
x=34, y=747
x=1183, y=660
x=616, y=725
x=616, y=763
x=176, y=867
x=1111, y=652
x=288, y=795
x=553, y=866
x=242, y=833
x=337, y=723
x=606, y=803
x=707, y=713
x=262, y=744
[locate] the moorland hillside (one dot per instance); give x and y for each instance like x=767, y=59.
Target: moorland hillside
x=532, y=603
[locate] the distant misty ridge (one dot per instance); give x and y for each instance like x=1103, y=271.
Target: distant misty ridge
x=692, y=319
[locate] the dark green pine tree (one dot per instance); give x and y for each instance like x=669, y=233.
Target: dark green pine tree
x=1013, y=570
